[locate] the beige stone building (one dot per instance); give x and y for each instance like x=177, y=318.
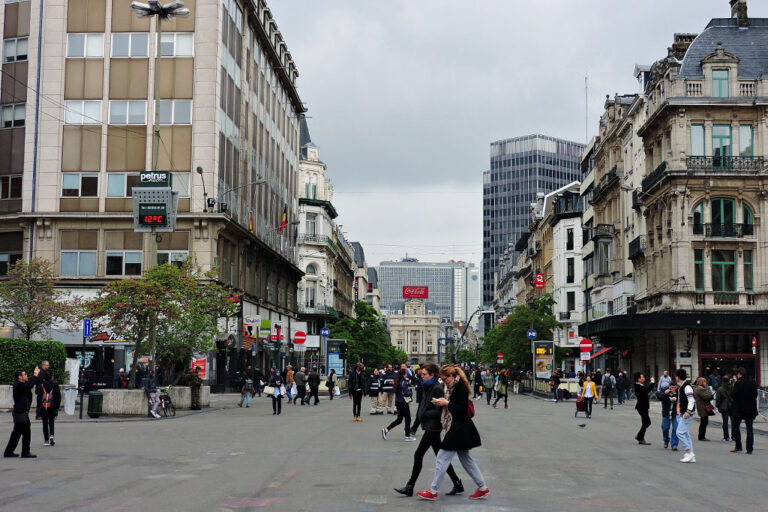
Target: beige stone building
x=695, y=255
x=78, y=110
x=415, y=330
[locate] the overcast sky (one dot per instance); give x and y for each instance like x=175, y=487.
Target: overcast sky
x=406, y=95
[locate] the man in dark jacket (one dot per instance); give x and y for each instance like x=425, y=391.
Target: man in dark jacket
x=388, y=389
x=744, y=398
x=429, y=416
x=642, y=405
x=22, y=401
x=300, y=378
x=314, y=384
x=358, y=386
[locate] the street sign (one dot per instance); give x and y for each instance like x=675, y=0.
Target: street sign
x=325, y=332
x=531, y=334
x=500, y=358
x=585, y=356
x=539, y=281
x=586, y=345
x=277, y=331
x=86, y=328
x=300, y=337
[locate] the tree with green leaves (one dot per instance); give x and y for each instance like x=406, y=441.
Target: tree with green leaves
x=367, y=338
x=30, y=302
x=511, y=336
x=170, y=313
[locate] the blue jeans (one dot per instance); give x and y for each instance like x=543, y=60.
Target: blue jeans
x=247, y=397
x=443, y=462
x=683, y=426
x=622, y=396
x=665, y=424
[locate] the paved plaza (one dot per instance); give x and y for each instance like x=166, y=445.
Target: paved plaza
x=535, y=457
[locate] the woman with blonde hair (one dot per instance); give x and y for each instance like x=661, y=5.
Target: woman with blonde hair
x=461, y=434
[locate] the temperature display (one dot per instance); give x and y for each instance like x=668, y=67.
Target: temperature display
x=152, y=219
x=153, y=215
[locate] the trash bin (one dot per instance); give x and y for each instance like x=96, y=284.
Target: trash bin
x=70, y=397
x=95, y=400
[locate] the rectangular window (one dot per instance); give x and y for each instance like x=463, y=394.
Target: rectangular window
x=10, y=187
x=721, y=142
x=429, y=347
x=175, y=112
x=173, y=257
x=723, y=217
x=720, y=83
x=180, y=183
x=123, y=263
x=570, y=270
x=128, y=112
x=15, y=50
x=311, y=224
x=569, y=240
x=177, y=44
x=415, y=346
x=723, y=271
x=7, y=260
x=697, y=140
x=79, y=185
x=571, y=301
x=14, y=115
x=82, y=112
x=78, y=263
x=121, y=184
x=130, y=45
x=745, y=140
x=749, y=284
x=85, y=45
x=698, y=268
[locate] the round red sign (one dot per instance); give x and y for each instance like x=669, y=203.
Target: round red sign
x=300, y=337
x=585, y=345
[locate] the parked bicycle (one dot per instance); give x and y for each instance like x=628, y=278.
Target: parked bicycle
x=166, y=404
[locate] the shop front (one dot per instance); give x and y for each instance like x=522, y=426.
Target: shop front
x=726, y=352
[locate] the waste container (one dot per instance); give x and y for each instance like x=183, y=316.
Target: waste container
x=70, y=397
x=95, y=400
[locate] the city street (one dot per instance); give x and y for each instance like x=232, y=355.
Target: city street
x=535, y=456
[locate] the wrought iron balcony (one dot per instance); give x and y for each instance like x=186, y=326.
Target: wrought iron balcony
x=725, y=163
x=637, y=247
x=655, y=177
x=602, y=231
x=727, y=230
x=311, y=309
x=564, y=315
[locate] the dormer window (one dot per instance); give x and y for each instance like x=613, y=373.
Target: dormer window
x=720, y=83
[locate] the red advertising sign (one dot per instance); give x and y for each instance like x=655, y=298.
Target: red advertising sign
x=539, y=281
x=201, y=365
x=415, y=292
x=300, y=337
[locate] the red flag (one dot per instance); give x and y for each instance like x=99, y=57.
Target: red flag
x=283, y=221
x=250, y=225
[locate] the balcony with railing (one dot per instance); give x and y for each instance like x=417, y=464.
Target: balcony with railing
x=655, y=177
x=694, y=89
x=724, y=230
x=317, y=309
x=602, y=231
x=747, y=89
x=605, y=183
x=725, y=163
x=637, y=247
x=564, y=315
x=313, y=238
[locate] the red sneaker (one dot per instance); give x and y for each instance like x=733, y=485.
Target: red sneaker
x=478, y=494
x=427, y=495
x=494, y=406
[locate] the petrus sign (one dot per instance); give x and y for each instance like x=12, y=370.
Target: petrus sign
x=155, y=179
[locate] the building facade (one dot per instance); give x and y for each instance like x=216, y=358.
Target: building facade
x=78, y=100
x=373, y=297
x=520, y=168
x=415, y=329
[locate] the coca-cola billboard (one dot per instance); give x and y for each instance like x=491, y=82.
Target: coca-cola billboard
x=415, y=292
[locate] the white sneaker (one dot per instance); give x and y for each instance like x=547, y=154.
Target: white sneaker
x=47, y=443
x=409, y=438
x=688, y=457
x=156, y=415
x=384, y=433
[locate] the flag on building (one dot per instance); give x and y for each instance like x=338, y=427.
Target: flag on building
x=283, y=220
x=250, y=225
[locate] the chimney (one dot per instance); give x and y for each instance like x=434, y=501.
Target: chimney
x=739, y=11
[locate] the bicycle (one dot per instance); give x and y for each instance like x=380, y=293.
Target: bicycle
x=166, y=404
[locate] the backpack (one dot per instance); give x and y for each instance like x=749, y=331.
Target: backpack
x=609, y=383
x=248, y=384
x=47, y=400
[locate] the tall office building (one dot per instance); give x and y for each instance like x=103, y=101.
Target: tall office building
x=520, y=168
x=453, y=287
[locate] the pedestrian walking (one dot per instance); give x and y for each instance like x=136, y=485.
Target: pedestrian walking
x=429, y=415
x=246, y=388
x=744, y=397
x=703, y=398
x=49, y=401
x=642, y=405
x=714, y=381
x=609, y=384
x=402, y=391
x=258, y=381
x=330, y=383
x=554, y=384
x=415, y=382
x=357, y=386
x=300, y=379
x=668, y=399
x=192, y=379
x=477, y=384
x=44, y=367
x=150, y=390
x=374, y=391
x=288, y=375
x=686, y=406
x=314, y=385
x=501, y=389
x=622, y=385
x=388, y=389
x=487, y=378
x=278, y=391
x=461, y=434
x=589, y=393
x=22, y=402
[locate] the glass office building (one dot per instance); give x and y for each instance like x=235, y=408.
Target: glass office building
x=520, y=168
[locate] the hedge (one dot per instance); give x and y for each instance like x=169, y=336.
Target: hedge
x=21, y=354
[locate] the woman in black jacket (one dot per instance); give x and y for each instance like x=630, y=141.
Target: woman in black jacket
x=461, y=435
x=402, y=391
x=429, y=416
x=357, y=387
x=49, y=401
x=744, y=396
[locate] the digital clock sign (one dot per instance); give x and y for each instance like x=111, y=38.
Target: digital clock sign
x=153, y=215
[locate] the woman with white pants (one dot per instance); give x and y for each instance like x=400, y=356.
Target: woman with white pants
x=461, y=434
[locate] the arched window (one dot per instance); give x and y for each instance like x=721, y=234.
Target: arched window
x=311, y=269
x=698, y=219
x=748, y=221
x=723, y=217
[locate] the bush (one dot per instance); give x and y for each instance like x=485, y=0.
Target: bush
x=16, y=354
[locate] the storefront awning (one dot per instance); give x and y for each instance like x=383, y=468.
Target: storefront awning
x=600, y=352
